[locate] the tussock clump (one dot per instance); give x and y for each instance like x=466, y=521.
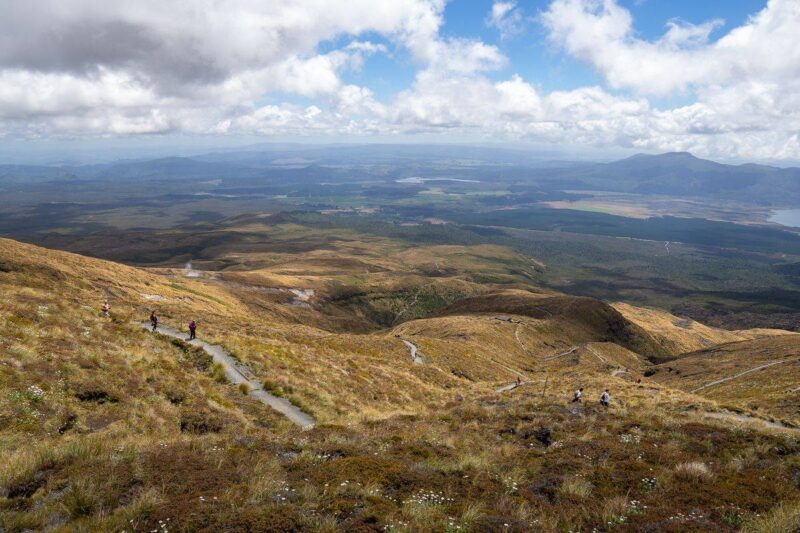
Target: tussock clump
x=784, y=518
x=175, y=397
x=96, y=395
x=200, y=421
x=218, y=373
x=273, y=387
x=614, y=511
x=575, y=488
x=694, y=470
x=81, y=499
x=196, y=356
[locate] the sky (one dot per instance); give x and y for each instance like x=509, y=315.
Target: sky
x=718, y=79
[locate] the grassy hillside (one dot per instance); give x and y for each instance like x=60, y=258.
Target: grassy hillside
x=682, y=335
x=587, y=317
x=759, y=375
x=106, y=427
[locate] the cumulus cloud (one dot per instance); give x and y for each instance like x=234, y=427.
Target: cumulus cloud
x=86, y=66
x=192, y=42
x=515, y=109
x=79, y=58
x=745, y=83
x=601, y=32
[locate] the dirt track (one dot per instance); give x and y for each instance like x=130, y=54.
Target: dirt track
x=238, y=374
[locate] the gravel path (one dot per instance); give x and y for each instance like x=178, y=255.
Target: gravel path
x=236, y=373
x=519, y=341
x=562, y=354
x=736, y=417
x=511, y=386
x=414, y=352
x=723, y=380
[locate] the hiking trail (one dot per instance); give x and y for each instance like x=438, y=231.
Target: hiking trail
x=511, y=386
x=418, y=359
x=729, y=378
x=519, y=341
x=600, y=357
x=236, y=373
x=562, y=354
x=729, y=416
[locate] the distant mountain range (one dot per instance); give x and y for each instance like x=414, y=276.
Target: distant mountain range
x=682, y=174
x=672, y=174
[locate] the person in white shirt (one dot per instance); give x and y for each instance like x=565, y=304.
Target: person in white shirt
x=578, y=396
x=604, y=398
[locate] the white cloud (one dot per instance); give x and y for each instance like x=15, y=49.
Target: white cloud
x=745, y=83
x=507, y=18
x=464, y=56
x=75, y=60
x=601, y=33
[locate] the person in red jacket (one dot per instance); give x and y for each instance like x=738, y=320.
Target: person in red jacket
x=192, y=329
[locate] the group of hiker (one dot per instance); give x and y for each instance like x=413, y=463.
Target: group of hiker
x=192, y=325
x=605, y=398
x=105, y=309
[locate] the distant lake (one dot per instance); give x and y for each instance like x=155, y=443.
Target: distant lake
x=786, y=217
x=419, y=180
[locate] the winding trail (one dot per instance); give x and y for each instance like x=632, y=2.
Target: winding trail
x=512, y=370
x=237, y=374
x=600, y=357
x=515, y=385
x=729, y=378
x=511, y=386
x=729, y=416
x=519, y=341
x=418, y=359
x=556, y=356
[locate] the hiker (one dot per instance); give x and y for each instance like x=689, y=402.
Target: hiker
x=519, y=381
x=154, y=320
x=604, y=398
x=578, y=396
x=106, y=309
x=192, y=328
